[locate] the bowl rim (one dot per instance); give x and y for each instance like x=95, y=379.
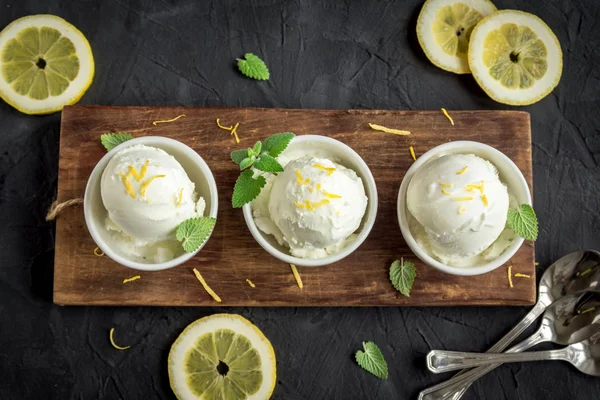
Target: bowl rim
x=403, y=220
x=369, y=217
x=96, y=174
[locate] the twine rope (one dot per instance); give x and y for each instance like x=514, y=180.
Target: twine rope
x=57, y=207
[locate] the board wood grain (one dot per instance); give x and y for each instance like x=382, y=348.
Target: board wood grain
x=231, y=256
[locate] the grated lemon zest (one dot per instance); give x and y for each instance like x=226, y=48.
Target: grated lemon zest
x=250, y=283
x=389, y=130
x=98, y=252
x=180, y=197
x=168, y=120
x=128, y=187
x=320, y=203
x=331, y=195
x=133, y=278
x=299, y=205
x=519, y=275
x=328, y=169
x=206, y=287
x=234, y=132
x=510, y=282
x=112, y=341
x=462, y=171
x=471, y=186
x=300, y=179
x=462, y=198
x=446, y=185
x=461, y=210
x=308, y=205
x=144, y=169
x=134, y=173
x=446, y=193
x=145, y=184
x=223, y=127
x=448, y=116
x=297, y=276
x=484, y=199
x=412, y=153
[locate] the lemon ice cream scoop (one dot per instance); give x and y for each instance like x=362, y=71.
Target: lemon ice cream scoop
x=460, y=205
x=147, y=194
x=316, y=203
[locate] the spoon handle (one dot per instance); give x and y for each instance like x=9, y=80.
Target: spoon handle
x=456, y=386
x=439, y=361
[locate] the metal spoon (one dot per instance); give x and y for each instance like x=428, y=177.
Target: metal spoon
x=585, y=356
x=574, y=272
x=568, y=321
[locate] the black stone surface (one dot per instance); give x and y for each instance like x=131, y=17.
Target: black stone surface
x=322, y=54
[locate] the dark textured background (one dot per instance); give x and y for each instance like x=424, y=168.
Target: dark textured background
x=361, y=54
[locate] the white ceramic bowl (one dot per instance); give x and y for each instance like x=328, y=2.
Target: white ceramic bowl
x=509, y=175
x=345, y=156
x=95, y=213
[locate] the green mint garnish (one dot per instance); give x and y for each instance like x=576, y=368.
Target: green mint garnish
x=371, y=359
x=112, y=140
x=523, y=222
x=193, y=232
x=260, y=157
x=402, y=276
x=253, y=67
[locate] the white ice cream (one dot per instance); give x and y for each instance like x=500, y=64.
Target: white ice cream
x=147, y=194
x=313, y=207
x=459, y=207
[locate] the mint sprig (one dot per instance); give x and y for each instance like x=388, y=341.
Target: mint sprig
x=253, y=67
x=402, y=276
x=112, y=140
x=523, y=222
x=371, y=359
x=193, y=232
x=261, y=157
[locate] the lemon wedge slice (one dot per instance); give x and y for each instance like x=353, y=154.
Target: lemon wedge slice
x=444, y=28
x=515, y=57
x=223, y=356
x=45, y=64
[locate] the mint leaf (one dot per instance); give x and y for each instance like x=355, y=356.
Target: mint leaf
x=523, y=222
x=193, y=232
x=112, y=140
x=402, y=276
x=257, y=147
x=372, y=360
x=253, y=67
x=277, y=143
x=247, y=188
x=247, y=162
x=267, y=163
x=239, y=155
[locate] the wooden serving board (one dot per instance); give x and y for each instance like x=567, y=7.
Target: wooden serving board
x=231, y=255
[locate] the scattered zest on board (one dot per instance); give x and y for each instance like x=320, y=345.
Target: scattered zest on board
x=250, y=283
x=519, y=275
x=412, y=153
x=206, y=287
x=297, y=276
x=166, y=121
x=389, y=130
x=112, y=341
x=232, y=129
x=98, y=252
x=510, y=282
x=133, y=278
x=448, y=116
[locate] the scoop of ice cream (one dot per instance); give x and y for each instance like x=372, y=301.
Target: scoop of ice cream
x=461, y=204
x=316, y=203
x=147, y=194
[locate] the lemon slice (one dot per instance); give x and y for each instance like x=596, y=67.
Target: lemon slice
x=223, y=356
x=444, y=28
x=515, y=57
x=45, y=64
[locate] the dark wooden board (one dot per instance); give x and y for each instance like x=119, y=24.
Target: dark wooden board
x=232, y=255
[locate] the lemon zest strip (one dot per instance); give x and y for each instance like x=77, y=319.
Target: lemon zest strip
x=448, y=116
x=112, y=341
x=145, y=184
x=461, y=210
x=297, y=276
x=180, y=197
x=446, y=185
x=587, y=271
x=536, y=264
x=223, y=127
x=389, y=130
x=144, y=170
x=462, y=171
x=519, y=275
x=510, y=282
x=412, y=153
x=234, y=133
x=299, y=205
x=446, y=192
x=462, y=198
x=587, y=310
x=128, y=187
x=320, y=203
x=484, y=199
x=168, y=120
x=308, y=205
x=98, y=252
x=331, y=195
x=206, y=287
x=133, y=278
x=250, y=283
x=328, y=169
x=300, y=179
x=134, y=173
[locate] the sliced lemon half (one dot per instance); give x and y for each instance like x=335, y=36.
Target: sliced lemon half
x=444, y=28
x=45, y=64
x=515, y=57
x=223, y=356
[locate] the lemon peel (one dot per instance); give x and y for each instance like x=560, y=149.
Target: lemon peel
x=389, y=130
x=98, y=252
x=166, y=121
x=206, y=287
x=133, y=278
x=297, y=276
x=112, y=341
